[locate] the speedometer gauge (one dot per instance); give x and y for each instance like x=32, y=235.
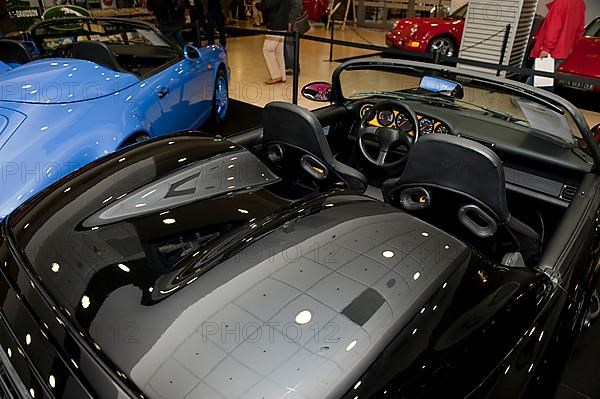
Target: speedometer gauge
x=441, y=129
x=425, y=126
x=385, y=118
x=403, y=123
x=365, y=108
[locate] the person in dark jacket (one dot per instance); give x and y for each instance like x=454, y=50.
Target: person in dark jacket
x=296, y=11
x=170, y=15
x=215, y=11
x=276, y=16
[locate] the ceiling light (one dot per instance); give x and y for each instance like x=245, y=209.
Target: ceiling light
x=242, y=211
x=28, y=339
x=303, y=317
x=169, y=221
x=123, y=267
x=85, y=301
x=52, y=381
x=416, y=275
x=388, y=254
x=351, y=346
x=55, y=267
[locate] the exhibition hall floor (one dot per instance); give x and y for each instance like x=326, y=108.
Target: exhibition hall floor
x=249, y=72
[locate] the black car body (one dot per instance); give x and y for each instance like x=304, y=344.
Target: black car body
x=187, y=267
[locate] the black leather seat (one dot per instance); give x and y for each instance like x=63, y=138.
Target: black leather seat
x=97, y=52
x=460, y=184
x=294, y=143
x=13, y=52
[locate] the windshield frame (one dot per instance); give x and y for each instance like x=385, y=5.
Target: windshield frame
x=536, y=95
x=594, y=22
x=460, y=13
x=38, y=30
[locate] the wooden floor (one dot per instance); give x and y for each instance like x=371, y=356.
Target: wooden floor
x=248, y=69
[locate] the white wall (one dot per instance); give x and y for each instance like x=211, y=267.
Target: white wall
x=593, y=8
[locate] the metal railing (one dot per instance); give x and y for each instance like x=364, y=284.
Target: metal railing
x=436, y=58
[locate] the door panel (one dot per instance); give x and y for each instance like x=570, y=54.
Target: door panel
x=179, y=91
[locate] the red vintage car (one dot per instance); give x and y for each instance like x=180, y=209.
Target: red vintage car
x=584, y=61
x=429, y=34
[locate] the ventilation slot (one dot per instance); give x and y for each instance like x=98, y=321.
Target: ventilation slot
x=568, y=193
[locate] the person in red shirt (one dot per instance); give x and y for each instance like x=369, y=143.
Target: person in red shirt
x=563, y=26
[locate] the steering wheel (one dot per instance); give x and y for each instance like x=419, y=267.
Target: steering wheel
x=389, y=136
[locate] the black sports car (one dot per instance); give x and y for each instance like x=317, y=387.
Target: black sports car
x=398, y=243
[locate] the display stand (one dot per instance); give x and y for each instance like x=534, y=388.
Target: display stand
x=349, y=3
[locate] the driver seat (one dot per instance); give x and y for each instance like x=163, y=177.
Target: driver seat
x=97, y=52
x=13, y=52
x=458, y=185
x=294, y=144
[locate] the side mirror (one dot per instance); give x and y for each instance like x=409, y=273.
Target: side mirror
x=596, y=133
x=317, y=91
x=191, y=53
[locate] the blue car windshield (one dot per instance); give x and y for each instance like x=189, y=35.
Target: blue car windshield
x=111, y=32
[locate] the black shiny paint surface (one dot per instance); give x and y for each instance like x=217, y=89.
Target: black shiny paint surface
x=109, y=303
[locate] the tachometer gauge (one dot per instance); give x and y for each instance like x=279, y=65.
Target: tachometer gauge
x=403, y=123
x=363, y=111
x=425, y=126
x=441, y=129
x=385, y=118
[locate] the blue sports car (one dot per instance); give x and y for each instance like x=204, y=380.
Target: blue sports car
x=99, y=84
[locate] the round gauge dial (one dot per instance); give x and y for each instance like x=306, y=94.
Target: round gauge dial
x=365, y=108
x=425, y=126
x=403, y=123
x=385, y=118
x=441, y=129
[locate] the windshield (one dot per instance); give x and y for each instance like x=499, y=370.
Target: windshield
x=525, y=112
x=461, y=12
x=51, y=36
x=593, y=29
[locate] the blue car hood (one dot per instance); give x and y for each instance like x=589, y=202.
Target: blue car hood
x=61, y=80
x=4, y=67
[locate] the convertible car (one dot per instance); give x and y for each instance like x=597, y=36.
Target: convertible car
x=98, y=85
x=405, y=241
x=584, y=60
x=429, y=34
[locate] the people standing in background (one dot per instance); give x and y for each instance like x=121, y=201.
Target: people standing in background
x=562, y=28
x=215, y=11
x=6, y=24
x=276, y=16
x=257, y=15
x=296, y=11
x=170, y=15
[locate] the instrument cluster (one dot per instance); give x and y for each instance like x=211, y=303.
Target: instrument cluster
x=399, y=120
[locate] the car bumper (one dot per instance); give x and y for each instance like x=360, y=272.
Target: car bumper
x=580, y=86
x=408, y=44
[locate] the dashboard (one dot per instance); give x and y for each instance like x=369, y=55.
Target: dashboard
x=398, y=119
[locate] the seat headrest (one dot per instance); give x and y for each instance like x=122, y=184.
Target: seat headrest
x=460, y=165
x=97, y=52
x=295, y=126
x=12, y=51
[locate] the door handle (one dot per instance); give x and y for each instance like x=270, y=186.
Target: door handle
x=162, y=91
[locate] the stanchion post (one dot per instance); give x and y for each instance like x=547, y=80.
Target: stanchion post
x=503, y=51
x=296, y=73
x=437, y=54
x=198, y=36
x=332, y=30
